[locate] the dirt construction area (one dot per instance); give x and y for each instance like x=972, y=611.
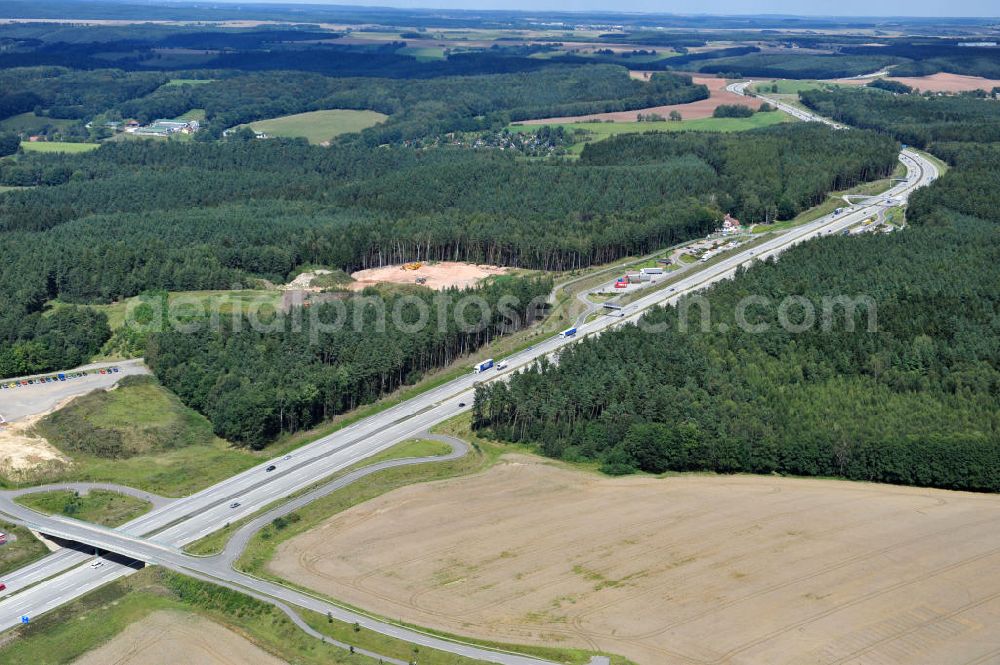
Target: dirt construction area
x=166, y=638
x=688, y=569
x=718, y=95
x=436, y=275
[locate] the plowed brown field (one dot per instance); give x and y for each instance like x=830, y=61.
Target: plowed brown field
x=718, y=95
x=690, y=569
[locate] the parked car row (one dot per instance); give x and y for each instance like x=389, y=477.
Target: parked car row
x=55, y=378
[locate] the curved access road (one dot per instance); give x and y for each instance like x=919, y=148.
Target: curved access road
x=83, y=489
x=238, y=542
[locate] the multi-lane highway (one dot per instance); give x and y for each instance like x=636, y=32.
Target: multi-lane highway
x=794, y=111
x=158, y=536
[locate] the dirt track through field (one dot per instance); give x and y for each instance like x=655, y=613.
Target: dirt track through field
x=718, y=95
x=692, y=569
x=168, y=638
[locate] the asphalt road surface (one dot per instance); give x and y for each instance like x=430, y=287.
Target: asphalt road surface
x=22, y=401
x=158, y=536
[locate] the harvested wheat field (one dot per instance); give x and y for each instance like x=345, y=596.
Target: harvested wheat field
x=718, y=95
x=948, y=82
x=166, y=638
x=940, y=82
x=690, y=569
x=437, y=275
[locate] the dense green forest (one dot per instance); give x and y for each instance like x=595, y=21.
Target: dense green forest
x=419, y=107
x=799, y=65
x=926, y=56
x=138, y=216
x=913, y=119
x=66, y=93
x=765, y=174
x=916, y=401
x=135, y=216
x=255, y=384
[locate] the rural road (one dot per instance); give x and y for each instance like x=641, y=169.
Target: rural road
x=83, y=488
x=157, y=536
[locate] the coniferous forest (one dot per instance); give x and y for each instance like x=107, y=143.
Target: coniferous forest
x=223, y=209
x=913, y=401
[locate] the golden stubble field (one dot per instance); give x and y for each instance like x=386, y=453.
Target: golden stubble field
x=167, y=638
x=690, y=569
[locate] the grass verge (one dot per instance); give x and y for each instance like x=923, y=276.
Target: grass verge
x=97, y=506
x=596, y=131
x=142, y=436
x=215, y=542
x=262, y=546
x=319, y=126
x=69, y=632
x=941, y=165
x=21, y=549
x=65, y=634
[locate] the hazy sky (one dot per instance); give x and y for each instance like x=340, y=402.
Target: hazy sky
x=797, y=7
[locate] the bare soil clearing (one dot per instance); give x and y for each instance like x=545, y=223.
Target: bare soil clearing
x=22, y=454
x=303, y=281
x=439, y=275
x=166, y=638
x=718, y=95
x=690, y=569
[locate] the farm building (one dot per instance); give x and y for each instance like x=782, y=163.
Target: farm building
x=167, y=127
x=730, y=225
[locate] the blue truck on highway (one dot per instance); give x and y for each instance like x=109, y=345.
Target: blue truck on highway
x=569, y=332
x=483, y=366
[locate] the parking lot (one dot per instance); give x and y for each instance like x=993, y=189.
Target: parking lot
x=26, y=396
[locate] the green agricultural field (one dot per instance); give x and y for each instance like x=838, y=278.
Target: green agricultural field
x=547, y=55
x=791, y=86
x=193, y=114
x=224, y=302
x=602, y=130
x=140, y=435
x=176, y=82
x=423, y=53
x=319, y=126
x=98, y=506
x=58, y=146
x=29, y=123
